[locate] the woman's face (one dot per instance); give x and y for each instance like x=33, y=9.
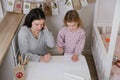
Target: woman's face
x=37, y=25
x=72, y=25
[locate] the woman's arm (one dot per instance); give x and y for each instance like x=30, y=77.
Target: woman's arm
x=23, y=42
x=49, y=39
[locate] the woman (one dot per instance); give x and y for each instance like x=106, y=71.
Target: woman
x=34, y=37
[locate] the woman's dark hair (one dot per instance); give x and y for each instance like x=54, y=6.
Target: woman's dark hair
x=34, y=14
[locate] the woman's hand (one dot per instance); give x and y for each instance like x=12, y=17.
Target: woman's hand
x=47, y=57
x=75, y=58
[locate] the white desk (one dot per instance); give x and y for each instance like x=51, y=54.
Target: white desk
x=57, y=68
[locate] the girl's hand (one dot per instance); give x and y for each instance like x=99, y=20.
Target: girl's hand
x=60, y=50
x=75, y=58
x=47, y=57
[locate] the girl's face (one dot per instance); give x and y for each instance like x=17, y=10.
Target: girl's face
x=38, y=25
x=72, y=25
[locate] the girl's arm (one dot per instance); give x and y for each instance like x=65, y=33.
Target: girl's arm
x=80, y=45
x=23, y=38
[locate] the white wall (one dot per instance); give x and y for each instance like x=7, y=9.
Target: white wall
x=106, y=12
x=4, y=6
x=1, y=12
x=3, y=9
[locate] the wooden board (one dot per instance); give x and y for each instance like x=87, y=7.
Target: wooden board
x=8, y=27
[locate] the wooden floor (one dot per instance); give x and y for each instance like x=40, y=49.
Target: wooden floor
x=91, y=65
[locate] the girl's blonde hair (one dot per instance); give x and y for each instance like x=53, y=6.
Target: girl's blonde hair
x=72, y=16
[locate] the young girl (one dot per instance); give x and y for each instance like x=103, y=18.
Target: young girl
x=71, y=38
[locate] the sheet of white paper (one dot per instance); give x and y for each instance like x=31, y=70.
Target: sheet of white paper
x=69, y=5
x=69, y=76
x=45, y=71
x=54, y=8
x=67, y=57
x=26, y=7
x=84, y=3
x=10, y=5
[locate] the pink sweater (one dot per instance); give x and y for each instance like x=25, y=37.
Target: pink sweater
x=72, y=41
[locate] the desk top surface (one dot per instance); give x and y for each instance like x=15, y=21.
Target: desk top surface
x=57, y=68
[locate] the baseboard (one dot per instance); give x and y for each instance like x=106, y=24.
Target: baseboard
x=87, y=51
